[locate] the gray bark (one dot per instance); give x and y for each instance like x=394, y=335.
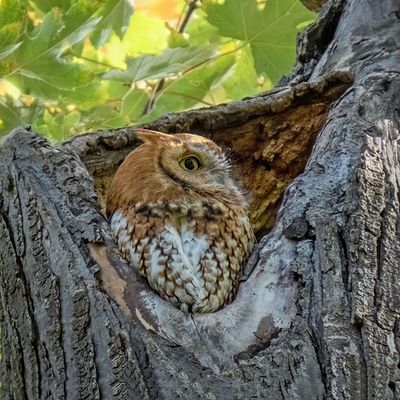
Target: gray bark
x=319, y=316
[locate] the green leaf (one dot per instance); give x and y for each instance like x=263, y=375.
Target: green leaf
x=7, y=50
x=12, y=11
x=134, y=103
x=9, y=118
x=80, y=11
x=190, y=90
x=169, y=62
x=52, y=127
x=270, y=32
x=12, y=25
x=39, y=68
x=145, y=35
x=53, y=37
x=117, y=121
x=115, y=18
x=57, y=125
x=48, y=71
x=51, y=61
x=105, y=116
x=46, y=5
x=200, y=31
x=86, y=96
x=70, y=120
x=176, y=39
x=113, y=15
x=115, y=90
x=10, y=33
x=243, y=79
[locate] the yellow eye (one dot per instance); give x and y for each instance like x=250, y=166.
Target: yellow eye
x=190, y=163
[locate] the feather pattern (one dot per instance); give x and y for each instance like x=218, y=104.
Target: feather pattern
x=186, y=232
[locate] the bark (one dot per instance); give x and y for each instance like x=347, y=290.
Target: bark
x=319, y=315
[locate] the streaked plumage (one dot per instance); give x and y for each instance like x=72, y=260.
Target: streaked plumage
x=180, y=220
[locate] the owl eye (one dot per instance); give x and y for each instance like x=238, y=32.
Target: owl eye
x=190, y=163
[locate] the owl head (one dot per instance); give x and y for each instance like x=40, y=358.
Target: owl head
x=181, y=167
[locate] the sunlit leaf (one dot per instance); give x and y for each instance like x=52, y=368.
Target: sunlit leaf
x=39, y=68
x=52, y=37
x=243, y=79
x=115, y=18
x=6, y=51
x=116, y=90
x=46, y=5
x=86, y=96
x=111, y=56
x=176, y=39
x=133, y=103
x=106, y=116
x=12, y=11
x=270, y=32
x=9, y=118
x=70, y=120
x=145, y=35
x=169, y=62
x=69, y=66
x=200, y=31
x=79, y=11
x=189, y=90
x=58, y=125
x=52, y=126
x=10, y=34
x=12, y=25
x=115, y=122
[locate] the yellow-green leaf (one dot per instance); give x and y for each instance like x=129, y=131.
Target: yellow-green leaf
x=270, y=32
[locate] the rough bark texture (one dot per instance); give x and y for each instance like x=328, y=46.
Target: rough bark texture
x=318, y=317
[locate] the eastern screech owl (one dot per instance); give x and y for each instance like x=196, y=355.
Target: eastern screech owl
x=180, y=220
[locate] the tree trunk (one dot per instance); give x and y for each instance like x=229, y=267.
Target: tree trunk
x=318, y=317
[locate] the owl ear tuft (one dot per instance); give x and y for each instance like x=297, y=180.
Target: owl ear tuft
x=152, y=137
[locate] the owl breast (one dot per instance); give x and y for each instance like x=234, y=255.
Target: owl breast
x=190, y=255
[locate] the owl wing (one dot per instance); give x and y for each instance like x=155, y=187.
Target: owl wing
x=231, y=240
x=133, y=229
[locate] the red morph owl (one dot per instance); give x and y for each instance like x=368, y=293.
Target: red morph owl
x=180, y=220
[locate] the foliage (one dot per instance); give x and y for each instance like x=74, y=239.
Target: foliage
x=79, y=65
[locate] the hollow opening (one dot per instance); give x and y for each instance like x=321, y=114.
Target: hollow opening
x=268, y=149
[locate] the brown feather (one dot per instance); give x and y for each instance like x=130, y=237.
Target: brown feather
x=186, y=231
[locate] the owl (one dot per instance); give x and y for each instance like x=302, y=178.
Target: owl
x=180, y=220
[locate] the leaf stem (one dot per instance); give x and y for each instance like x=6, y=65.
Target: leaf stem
x=93, y=61
x=191, y=5
x=191, y=68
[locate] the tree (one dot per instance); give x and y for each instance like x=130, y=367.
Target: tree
x=317, y=318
